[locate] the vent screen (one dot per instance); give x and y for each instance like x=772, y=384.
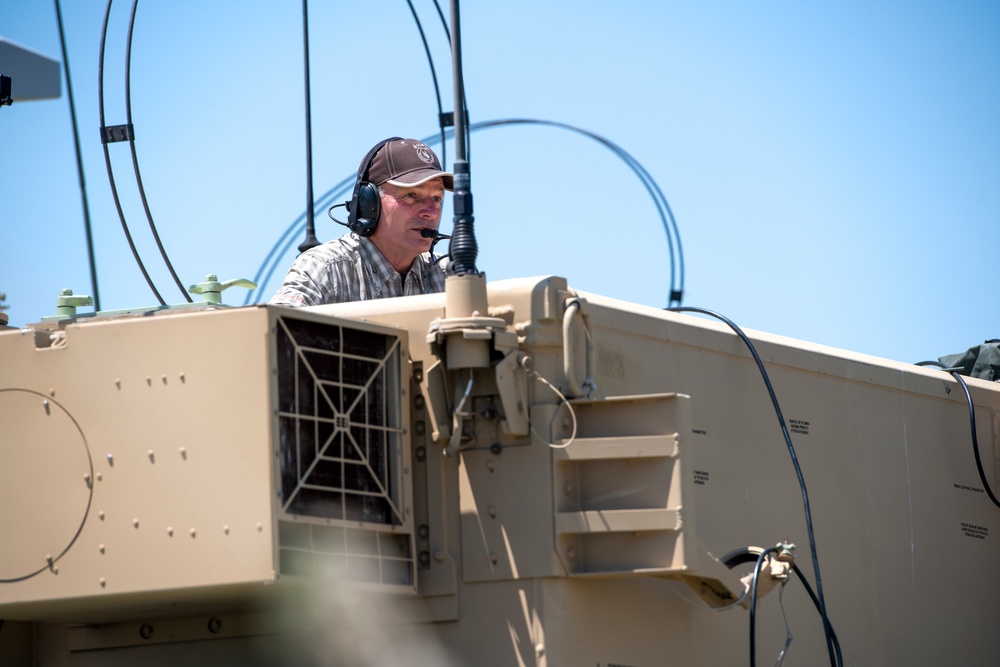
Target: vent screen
x=339, y=422
x=341, y=552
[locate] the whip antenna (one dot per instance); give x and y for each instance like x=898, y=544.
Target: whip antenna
x=463, y=248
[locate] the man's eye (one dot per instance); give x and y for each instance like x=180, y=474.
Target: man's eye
x=438, y=200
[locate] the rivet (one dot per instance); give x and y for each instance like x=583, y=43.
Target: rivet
x=152, y=457
x=101, y=548
x=493, y=511
x=260, y=527
x=184, y=453
x=100, y=515
x=149, y=381
x=214, y=625
x=104, y=582
x=52, y=393
x=493, y=558
x=194, y=533
x=146, y=631
x=440, y=555
x=170, y=531
x=100, y=476
x=135, y=522
x=490, y=465
x=164, y=379
x=225, y=529
x=118, y=383
x=182, y=377
x=111, y=460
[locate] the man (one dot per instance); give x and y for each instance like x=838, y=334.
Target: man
x=397, y=199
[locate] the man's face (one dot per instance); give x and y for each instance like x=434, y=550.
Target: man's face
x=406, y=211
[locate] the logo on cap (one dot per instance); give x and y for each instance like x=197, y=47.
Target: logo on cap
x=424, y=153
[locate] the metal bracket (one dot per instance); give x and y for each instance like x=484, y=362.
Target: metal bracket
x=114, y=133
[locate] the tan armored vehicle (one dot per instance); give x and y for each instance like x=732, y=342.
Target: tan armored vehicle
x=516, y=474
x=505, y=474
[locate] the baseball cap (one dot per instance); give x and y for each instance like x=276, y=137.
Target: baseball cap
x=407, y=163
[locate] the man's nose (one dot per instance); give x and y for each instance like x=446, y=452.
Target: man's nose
x=430, y=209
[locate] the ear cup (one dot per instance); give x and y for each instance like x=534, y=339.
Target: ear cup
x=365, y=206
x=366, y=210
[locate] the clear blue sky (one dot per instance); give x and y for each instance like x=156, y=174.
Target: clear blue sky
x=834, y=168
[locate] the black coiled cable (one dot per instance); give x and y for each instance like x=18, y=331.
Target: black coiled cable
x=755, y=555
x=972, y=424
x=795, y=463
x=107, y=160
x=280, y=248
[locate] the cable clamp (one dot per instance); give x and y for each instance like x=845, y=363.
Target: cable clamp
x=115, y=133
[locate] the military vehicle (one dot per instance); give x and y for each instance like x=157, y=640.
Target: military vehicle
x=508, y=473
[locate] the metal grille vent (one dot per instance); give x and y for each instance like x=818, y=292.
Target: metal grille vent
x=339, y=422
x=341, y=552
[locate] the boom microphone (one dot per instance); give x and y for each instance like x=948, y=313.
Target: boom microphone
x=433, y=234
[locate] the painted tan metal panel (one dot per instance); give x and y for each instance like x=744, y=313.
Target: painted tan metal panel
x=907, y=538
x=124, y=428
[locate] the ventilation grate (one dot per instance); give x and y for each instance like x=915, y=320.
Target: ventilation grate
x=340, y=552
x=339, y=422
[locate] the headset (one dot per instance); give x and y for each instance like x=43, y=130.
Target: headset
x=365, y=206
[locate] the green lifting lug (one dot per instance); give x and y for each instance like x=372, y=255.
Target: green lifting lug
x=212, y=288
x=67, y=304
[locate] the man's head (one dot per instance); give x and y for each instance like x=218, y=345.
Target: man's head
x=396, y=161
x=399, y=192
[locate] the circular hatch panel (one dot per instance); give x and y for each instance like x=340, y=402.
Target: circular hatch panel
x=46, y=482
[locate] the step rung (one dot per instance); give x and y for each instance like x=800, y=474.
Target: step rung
x=632, y=447
x=617, y=521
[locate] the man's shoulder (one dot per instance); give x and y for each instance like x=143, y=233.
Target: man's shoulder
x=345, y=248
x=320, y=274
